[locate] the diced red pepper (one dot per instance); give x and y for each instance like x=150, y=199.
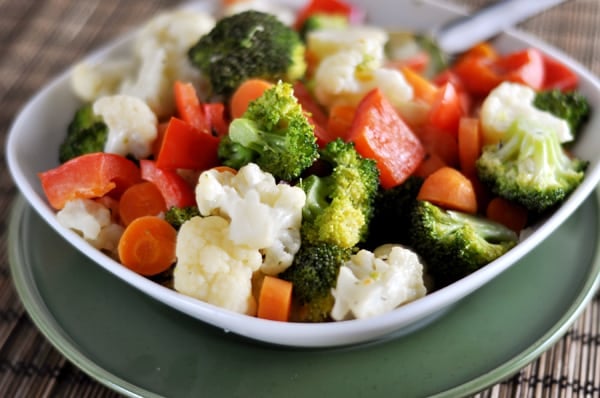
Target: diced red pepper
x=88, y=176
x=352, y=12
x=174, y=188
x=380, y=134
x=559, y=76
x=184, y=147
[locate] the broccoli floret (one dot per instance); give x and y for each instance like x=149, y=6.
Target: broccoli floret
x=246, y=45
x=530, y=167
x=571, y=106
x=454, y=244
x=176, y=216
x=313, y=274
x=339, y=205
x=323, y=20
x=393, y=208
x=274, y=133
x=86, y=133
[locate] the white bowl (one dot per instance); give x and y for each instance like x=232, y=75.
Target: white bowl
x=37, y=131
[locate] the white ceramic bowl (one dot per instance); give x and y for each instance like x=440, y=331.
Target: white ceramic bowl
x=39, y=128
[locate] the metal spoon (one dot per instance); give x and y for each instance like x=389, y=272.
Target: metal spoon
x=462, y=33
x=459, y=34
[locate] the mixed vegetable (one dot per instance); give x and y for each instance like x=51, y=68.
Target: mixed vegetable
x=305, y=166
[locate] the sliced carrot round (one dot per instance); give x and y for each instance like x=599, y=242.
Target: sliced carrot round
x=147, y=245
x=450, y=189
x=142, y=199
x=247, y=92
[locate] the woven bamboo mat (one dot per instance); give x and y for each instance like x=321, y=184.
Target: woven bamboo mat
x=38, y=39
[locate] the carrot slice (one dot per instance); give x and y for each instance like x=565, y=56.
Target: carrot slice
x=143, y=199
x=147, y=245
x=247, y=92
x=469, y=144
x=450, y=189
x=507, y=213
x=430, y=164
x=275, y=299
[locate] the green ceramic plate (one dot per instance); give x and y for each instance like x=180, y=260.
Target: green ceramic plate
x=140, y=347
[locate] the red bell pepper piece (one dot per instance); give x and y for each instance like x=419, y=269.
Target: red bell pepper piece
x=88, y=176
x=352, y=12
x=184, y=147
x=379, y=133
x=559, y=76
x=176, y=191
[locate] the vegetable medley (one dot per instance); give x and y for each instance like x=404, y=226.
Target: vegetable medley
x=308, y=166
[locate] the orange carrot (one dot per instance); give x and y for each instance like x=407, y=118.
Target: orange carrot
x=275, y=299
x=222, y=169
x=247, y=92
x=507, y=213
x=423, y=89
x=340, y=120
x=432, y=162
x=440, y=143
x=469, y=144
x=450, y=189
x=147, y=245
x=142, y=199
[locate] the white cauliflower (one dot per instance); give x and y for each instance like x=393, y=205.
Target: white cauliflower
x=93, y=221
x=373, y=283
x=263, y=214
x=213, y=268
x=283, y=13
x=161, y=50
x=368, y=40
x=158, y=57
x=510, y=101
x=343, y=78
x=132, y=126
x=90, y=81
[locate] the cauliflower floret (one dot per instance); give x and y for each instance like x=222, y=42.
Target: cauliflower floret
x=283, y=13
x=510, y=101
x=368, y=40
x=93, y=221
x=158, y=57
x=90, y=81
x=132, y=126
x=264, y=215
x=343, y=79
x=373, y=283
x=161, y=49
x=213, y=268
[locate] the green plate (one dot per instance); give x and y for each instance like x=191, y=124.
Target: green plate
x=140, y=347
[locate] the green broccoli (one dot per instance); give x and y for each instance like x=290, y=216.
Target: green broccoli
x=323, y=20
x=313, y=274
x=176, y=216
x=453, y=244
x=86, y=133
x=530, y=167
x=571, y=106
x=274, y=133
x=339, y=205
x=250, y=44
x=393, y=208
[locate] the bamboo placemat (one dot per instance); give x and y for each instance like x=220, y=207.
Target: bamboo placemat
x=39, y=39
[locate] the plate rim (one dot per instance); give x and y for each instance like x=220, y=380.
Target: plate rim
x=64, y=342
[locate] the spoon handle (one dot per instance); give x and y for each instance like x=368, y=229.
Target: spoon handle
x=462, y=33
